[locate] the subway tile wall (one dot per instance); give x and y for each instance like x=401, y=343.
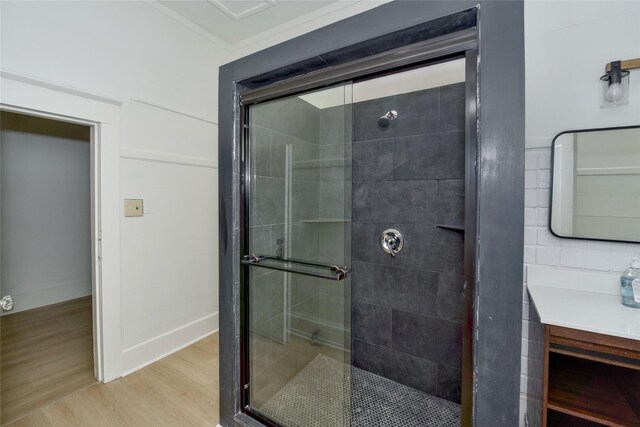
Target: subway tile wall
x=542, y=248
x=281, y=129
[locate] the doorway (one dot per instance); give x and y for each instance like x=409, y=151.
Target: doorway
x=354, y=235
x=48, y=268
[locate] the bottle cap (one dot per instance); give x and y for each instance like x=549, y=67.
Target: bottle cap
x=635, y=263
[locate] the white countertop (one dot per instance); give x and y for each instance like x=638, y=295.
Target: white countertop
x=587, y=311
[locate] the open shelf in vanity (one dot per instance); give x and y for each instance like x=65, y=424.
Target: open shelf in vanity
x=591, y=377
x=591, y=371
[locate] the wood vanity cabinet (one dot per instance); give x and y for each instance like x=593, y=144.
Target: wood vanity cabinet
x=590, y=379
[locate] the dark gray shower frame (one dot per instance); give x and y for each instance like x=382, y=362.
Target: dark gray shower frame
x=491, y=376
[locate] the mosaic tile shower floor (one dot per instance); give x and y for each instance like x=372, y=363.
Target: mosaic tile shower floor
x=320, y=396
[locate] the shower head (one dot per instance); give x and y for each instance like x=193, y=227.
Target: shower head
x=386, y=118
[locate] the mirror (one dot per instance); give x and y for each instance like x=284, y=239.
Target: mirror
x=595, y=191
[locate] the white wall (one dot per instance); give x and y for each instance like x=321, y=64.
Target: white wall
x=46, y=216
x=305, y=24
x=165, y=70
x=133, y=52
x=169, y=257
x=567, y=46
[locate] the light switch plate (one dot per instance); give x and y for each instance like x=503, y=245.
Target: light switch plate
x=133, y=207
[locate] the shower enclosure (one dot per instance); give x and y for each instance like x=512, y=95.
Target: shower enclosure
x=353, y=273
x=394, y=333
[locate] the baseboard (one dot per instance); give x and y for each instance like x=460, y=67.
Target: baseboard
x=39, y=297
x=143, y=354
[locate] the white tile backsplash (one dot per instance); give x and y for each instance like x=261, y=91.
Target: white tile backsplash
x=543, y=198
x=544, y=179
x=573, y=258
x=598, y=246
x=529, y=254
x=598, y=260
x=530, y=216
x=530, y=235
x=531, y=179
x=574, y=279
x=544, y=160
x=531, y=162
x=547, y=239
x=574, y=243
x=531, y=198
x=543, y=217
x=547, y=255
x=621, y=260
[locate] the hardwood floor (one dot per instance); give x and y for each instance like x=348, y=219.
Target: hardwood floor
x=45, y=354
x=179, y=390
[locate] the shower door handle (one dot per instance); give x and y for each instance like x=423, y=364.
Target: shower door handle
x=288, y=265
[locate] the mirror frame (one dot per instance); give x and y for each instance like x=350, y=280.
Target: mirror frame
x=553, y=145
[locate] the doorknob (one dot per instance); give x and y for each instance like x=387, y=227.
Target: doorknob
x=6, y=303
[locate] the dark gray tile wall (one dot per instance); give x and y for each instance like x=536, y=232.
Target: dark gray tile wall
x=334, y=164
x=296, y=145
x=404, y=312
x=407, y=310
x=287, y=127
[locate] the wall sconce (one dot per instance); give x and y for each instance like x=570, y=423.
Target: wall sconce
x=615, y=83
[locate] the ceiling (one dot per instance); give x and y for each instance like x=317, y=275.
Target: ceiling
x=233, y=21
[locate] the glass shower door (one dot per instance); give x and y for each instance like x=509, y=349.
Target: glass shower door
x=296, y=267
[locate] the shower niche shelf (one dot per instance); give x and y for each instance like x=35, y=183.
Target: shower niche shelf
x=320, y=163
x=324, y=221
x=459, y=228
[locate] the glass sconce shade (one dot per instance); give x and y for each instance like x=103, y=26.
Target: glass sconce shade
x=614, y=89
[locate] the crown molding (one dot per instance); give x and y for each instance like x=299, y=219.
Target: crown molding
x=314, y=18
x=295, y=27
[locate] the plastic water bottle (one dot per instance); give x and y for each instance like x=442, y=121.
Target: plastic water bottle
x=630, y=285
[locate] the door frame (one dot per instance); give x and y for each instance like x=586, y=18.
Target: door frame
x=34, y=97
